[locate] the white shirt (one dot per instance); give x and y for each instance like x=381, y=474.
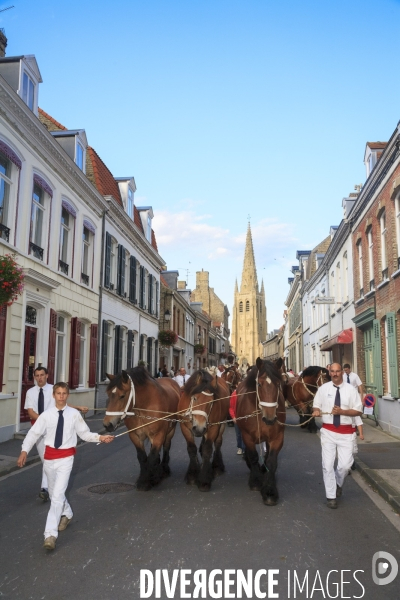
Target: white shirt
x=32, y=397
x=181, y=379
x=46, y=424
x=355, y=381
x=325, y=401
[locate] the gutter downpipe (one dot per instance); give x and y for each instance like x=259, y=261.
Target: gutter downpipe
x=103, y=231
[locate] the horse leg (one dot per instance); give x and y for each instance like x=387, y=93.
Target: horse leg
x=269, y=491
x=205, y=475
x=193, y=468
x=153, y=459
x=312, y=426
x=251, y=457
x=218, y=466
x=142, y=483
x=166, y=447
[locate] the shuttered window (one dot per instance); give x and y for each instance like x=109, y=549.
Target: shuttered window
x=150, y=355
x=157, y=294
x=392, y=354
x=51, y=358
x=93, y=355
x=121, y=271
x=75, y=353
x=130, y=349
x=141, y=347
x=3, y=323
x=132, y=280
x=377, y=356
x=150, y=295
x=104, y=350
x=107, y=261
x=142, y=287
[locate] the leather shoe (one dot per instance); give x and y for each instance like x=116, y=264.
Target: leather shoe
x=338, y=491
x=50, y=543
x=64, y=522
x=44, y=495
x=332, y=503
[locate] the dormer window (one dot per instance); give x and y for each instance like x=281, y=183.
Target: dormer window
x=129, y=208
x=79, y=155
x=28, y=91
x=148, y=234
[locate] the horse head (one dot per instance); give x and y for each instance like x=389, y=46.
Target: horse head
x=232, y=377
x=268, y=388
x=202, y=389
x=120, y=392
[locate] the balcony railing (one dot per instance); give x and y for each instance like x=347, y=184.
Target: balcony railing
x=85, y=278
x=362, y=292
x=4, y=232
x=37, y=251
x=63, y=267
x=372, y=285
x=385, y=274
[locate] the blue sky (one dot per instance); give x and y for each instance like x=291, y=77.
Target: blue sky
x=222, y=110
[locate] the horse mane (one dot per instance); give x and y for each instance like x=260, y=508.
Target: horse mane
x=200, y=381
x=269, y=368
x=312, y=371
x=139, y=375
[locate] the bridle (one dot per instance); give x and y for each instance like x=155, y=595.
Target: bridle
x=190, y=412
x=266, y=404
x=317, y=385
x=132, y=398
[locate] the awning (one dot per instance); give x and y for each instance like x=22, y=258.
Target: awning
x=344, y=337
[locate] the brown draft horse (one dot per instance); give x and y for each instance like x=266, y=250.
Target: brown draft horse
x=300, y=392
x=232, y=377
x=203, y=411
x=262, y=391
x=128, y=393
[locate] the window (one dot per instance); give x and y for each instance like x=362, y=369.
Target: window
x=5, y=184
x=107, y=355
x=37, y=218
x=86, y=255
x=385, y=271
x=28, y=91
x=129, y=208
x=397, y=209
x=121, y=271
x=345, y=277
x=150, y=293
x=82, y=355
x=371, y=260
x=60, y=349
x=66, y=240
x=240, y=306
x=247, y=305
x=360, y=269
x=113, y=263
x=338, y=283
x=79, y=155
x=149, y=228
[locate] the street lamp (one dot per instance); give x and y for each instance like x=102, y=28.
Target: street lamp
x=167, y=316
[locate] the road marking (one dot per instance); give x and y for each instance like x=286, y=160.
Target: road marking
x=383, y=506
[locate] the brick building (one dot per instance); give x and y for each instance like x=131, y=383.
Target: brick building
x=375, y=224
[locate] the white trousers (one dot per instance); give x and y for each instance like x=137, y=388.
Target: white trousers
x=332, y=442
x=40, y=445
x=58, y=472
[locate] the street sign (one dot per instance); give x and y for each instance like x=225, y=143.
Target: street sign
x=369, y=400
x=325, y=300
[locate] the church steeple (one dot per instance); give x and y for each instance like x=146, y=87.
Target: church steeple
x=249, y=274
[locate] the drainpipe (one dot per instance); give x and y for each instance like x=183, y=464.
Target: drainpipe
x=99, y=337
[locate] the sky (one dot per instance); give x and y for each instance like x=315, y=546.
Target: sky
x=224, y=112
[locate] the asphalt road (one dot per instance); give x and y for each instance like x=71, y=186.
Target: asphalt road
x=115, y=535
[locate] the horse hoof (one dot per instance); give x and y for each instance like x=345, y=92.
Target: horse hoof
x=204, y=487
x=190, y=481
x=270, y=501
x=255, y=488
x=218, y=471
x=143, y=487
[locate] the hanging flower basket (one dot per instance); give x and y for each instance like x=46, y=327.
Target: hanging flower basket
x=11, y=279
x=167, y=337
x=199, y=348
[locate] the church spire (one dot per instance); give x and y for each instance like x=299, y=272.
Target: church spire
x=249, y=273
x=236, y=286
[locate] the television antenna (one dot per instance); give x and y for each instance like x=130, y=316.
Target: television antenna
x=8, y=8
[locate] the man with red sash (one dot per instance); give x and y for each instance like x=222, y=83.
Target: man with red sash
x=337, y=402
x=59, y=425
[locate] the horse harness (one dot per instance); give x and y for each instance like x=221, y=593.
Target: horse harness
x=305, y=385
x=267, y=404
x=132, y=398
x=190, y=412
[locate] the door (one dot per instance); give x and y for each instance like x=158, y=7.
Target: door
x=28, y=368
x=370, y=386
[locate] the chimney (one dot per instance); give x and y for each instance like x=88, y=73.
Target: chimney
x=181, y=285
x=3, y=43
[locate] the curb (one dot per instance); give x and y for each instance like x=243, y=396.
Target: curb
x=379, y=484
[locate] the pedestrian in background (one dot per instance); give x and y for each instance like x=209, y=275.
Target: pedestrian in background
x=352, y=378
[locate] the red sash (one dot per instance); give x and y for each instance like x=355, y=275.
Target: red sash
x=53, y=453
x=340, y=429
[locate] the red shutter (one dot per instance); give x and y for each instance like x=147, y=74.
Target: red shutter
x=51, y=359
x=3, y=322
x=75, y=353
x=93, y=355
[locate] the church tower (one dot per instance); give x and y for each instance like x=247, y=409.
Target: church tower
x=249, y=322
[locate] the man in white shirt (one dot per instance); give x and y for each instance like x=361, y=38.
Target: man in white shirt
x=352, y=378
x=38, y=399
x=181, y=378
x=59, y=426
x=337, y=402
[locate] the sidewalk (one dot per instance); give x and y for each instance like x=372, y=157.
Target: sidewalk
x=378, y=461
x=10, y=450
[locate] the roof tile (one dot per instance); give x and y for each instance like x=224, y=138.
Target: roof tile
x=101, y=176
x=50, y=123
